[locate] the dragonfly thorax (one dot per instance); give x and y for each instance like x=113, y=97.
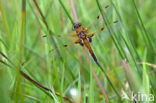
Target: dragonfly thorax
x=82, y=35
x=80, y=30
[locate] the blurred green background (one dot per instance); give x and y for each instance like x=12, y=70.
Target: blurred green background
x=126, y=51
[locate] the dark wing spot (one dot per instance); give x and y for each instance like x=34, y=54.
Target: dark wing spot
x=44, y=35
x=98, y=17
x=58, y=35
x=106, y=6
x=51, y=50
x=102, y=28
x=115, y=21
x=65, y=45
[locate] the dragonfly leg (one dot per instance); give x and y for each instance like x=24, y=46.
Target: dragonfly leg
x=81, y=43
x=90, y=40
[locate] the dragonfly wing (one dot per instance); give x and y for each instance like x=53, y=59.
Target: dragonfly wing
x=87, y=29
x=99, y=31
x=73, y=35
x=90, y=35
x=66, y=36
x=74, y=42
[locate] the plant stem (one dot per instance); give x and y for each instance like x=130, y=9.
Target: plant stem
x=66, y=11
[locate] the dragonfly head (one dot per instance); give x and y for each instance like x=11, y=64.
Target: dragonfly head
x=77, y=25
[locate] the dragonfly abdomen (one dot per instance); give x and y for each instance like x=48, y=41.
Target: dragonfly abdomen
x=88, y=46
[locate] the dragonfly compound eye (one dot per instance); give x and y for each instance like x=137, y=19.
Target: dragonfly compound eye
x=79, y=25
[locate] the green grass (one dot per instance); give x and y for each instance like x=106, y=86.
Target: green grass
x=37, y=69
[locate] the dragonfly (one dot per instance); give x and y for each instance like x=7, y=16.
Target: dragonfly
x=84, y=38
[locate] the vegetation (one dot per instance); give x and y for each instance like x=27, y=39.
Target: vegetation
x=35, y=67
